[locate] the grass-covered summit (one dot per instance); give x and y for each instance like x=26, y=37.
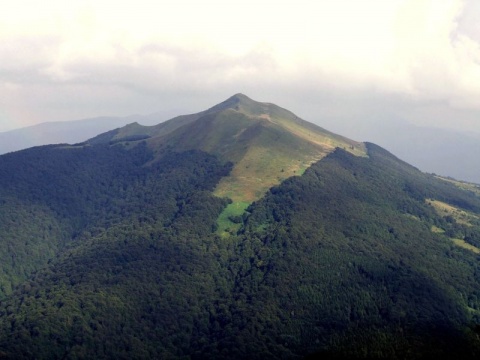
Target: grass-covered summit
x=265, y=142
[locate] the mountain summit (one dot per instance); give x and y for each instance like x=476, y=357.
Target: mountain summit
x=265, y=142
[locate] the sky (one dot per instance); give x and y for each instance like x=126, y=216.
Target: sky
x=342, y=64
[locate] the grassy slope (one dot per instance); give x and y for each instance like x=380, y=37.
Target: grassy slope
x=282, y=147
x=266, y=144
x=460, y=216
x=462, y=184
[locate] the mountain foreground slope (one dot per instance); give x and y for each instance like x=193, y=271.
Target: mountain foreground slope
x=114, y=248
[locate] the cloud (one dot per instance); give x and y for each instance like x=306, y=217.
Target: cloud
x=85, y=58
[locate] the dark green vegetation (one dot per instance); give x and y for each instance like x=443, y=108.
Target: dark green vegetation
x=111, y=250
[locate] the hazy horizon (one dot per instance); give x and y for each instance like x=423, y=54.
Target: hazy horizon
x=332, y=63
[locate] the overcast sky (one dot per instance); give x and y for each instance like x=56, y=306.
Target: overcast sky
x=345, y=61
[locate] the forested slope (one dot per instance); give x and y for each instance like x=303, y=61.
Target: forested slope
x=111, y=251
x=343, y=259
x=138, y=261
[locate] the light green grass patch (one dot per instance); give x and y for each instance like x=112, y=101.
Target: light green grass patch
x=465, y=245
x=437, y=230
x=458, y=242
x=301, y=171
x=461, y=216
x=475, y=188
x=226, y=226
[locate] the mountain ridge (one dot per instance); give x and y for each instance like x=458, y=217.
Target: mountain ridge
x=126, y=247
x=62, y=132
x=241, y=120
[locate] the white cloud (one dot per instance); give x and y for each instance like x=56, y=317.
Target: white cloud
x=65, y=55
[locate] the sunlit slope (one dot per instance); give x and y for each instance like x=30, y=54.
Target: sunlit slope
x=266, y=143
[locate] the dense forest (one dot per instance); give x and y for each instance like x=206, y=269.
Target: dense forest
x=109, y=252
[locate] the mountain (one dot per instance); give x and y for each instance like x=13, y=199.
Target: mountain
x=66, y=131
x=238, y=232
x=440, y=151
x=446, y=152
x=265, y=143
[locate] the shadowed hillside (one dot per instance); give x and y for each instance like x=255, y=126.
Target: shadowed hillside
x=113, y=248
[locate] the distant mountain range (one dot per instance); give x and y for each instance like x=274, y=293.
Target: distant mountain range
x=442, y=151
x=70, y=132
x=240, y=232
x=434, y=150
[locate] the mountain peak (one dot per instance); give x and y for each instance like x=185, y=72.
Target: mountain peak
x=265, y=142
x=235, y=102
x=240, y=97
